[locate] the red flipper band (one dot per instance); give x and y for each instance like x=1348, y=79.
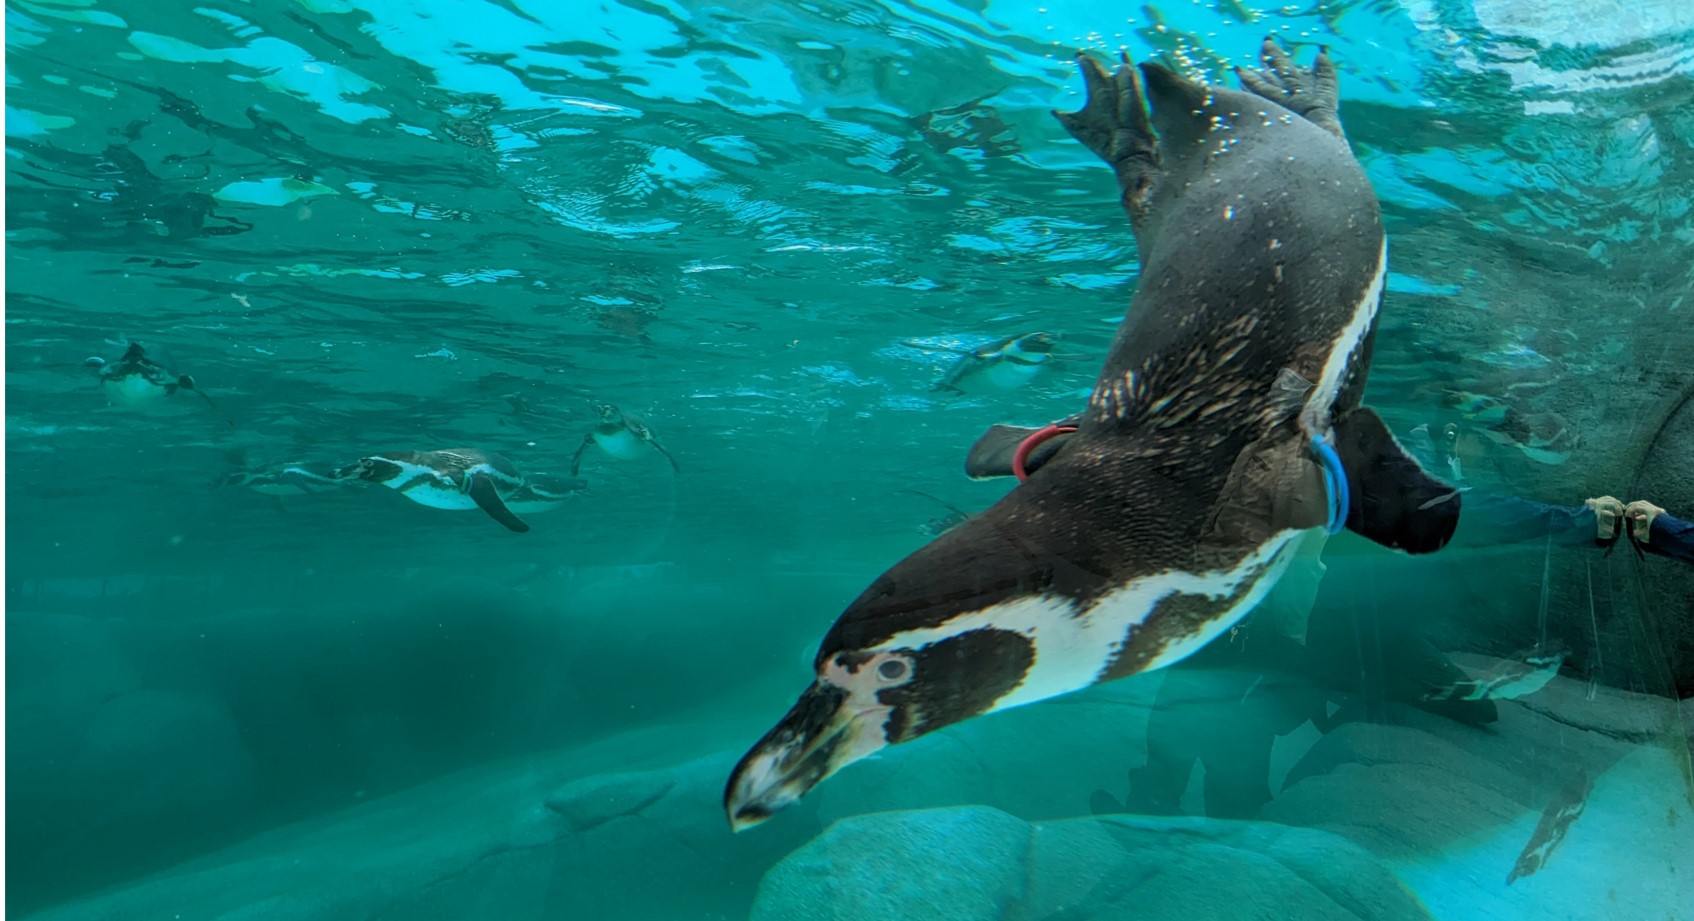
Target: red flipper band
x=1021, y=456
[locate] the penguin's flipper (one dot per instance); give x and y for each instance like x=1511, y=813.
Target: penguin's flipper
x=991, y=456
x=675, y=467
x=939, y=501
x=576, y=459
x=1393, y=501
x=1114, y=124
x=483, y=492
x=187, y=383
x=1314, y=94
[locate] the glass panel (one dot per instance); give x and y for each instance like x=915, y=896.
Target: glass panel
x=647, y=460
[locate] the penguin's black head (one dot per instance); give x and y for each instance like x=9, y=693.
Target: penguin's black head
x=1034, y=343
x=609, y=414
x=865, y=700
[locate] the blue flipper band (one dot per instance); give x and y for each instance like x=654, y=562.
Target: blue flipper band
x=1335, y=483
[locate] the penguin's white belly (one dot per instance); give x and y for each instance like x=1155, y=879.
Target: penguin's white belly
x=133, y=389
x=622, y=445
x=440, y=497
x=1008, y=375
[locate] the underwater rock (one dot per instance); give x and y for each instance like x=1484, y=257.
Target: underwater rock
x=971, y=863
x=563, y=835
x=162, y=756
x=1412, y=789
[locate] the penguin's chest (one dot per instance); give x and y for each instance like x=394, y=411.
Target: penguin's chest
x=620, y=444
x=133, y=389
x=1521, y=682
x=429, y=487
x=436, y=494
x=1007, y=373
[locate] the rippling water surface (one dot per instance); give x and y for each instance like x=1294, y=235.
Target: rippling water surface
x=765, y=228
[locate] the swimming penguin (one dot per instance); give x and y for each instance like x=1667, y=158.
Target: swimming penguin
x=1225, y=425
x=621, y=435
x=136, y=379
x=1563, y=809
x=1007, y=364
x=288, y=480
x=1519, y=676
x=1545, y=438
x=461, y=478
x=539, y=494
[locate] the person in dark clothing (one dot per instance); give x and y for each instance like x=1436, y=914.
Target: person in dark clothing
x=1603, y=520
x=1656, y=531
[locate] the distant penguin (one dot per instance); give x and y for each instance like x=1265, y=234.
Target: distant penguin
x=136, y=379
x=1563, y=809
x=461, y=478
x=622, y=436
x=1008, y=364
x=1225, y=426
x=287, y=480
x=541, y=494
x=1518, y=676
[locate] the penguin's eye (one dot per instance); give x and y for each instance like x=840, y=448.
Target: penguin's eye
x=892, y=670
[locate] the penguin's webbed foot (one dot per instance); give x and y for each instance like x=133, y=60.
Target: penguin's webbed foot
x=1312, y=94
x=1114, y=124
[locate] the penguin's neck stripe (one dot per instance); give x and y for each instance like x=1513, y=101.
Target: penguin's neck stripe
x=1074, y=649
x=1315, y=414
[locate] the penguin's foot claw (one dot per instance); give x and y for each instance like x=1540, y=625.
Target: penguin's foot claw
x=1113, y=123
x=1314, y=94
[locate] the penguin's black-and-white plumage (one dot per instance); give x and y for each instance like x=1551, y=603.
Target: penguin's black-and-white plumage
x=1172, y=510
x=621, y=435
x=286, y=480
x=137, y=379
x=1008, y=364
x=460, y=478
x=541, y=494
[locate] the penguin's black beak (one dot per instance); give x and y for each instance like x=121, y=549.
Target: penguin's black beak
x=827, y=729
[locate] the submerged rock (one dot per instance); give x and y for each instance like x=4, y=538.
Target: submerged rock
x=568, y=835
x=973, y=863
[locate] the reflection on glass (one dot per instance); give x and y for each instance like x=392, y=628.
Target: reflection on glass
x=532, y=460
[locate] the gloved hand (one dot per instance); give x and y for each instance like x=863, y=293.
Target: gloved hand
x=1640, y=515
x=1608, y=515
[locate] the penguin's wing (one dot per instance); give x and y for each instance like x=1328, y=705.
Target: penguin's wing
x=965, y=365
x=487, y=497
x=675, y=467
x=187, y=383
x=991, y=456
x=1393, y=501
x=576, y=459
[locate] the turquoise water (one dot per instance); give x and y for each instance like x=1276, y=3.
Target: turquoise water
x=769, y=231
